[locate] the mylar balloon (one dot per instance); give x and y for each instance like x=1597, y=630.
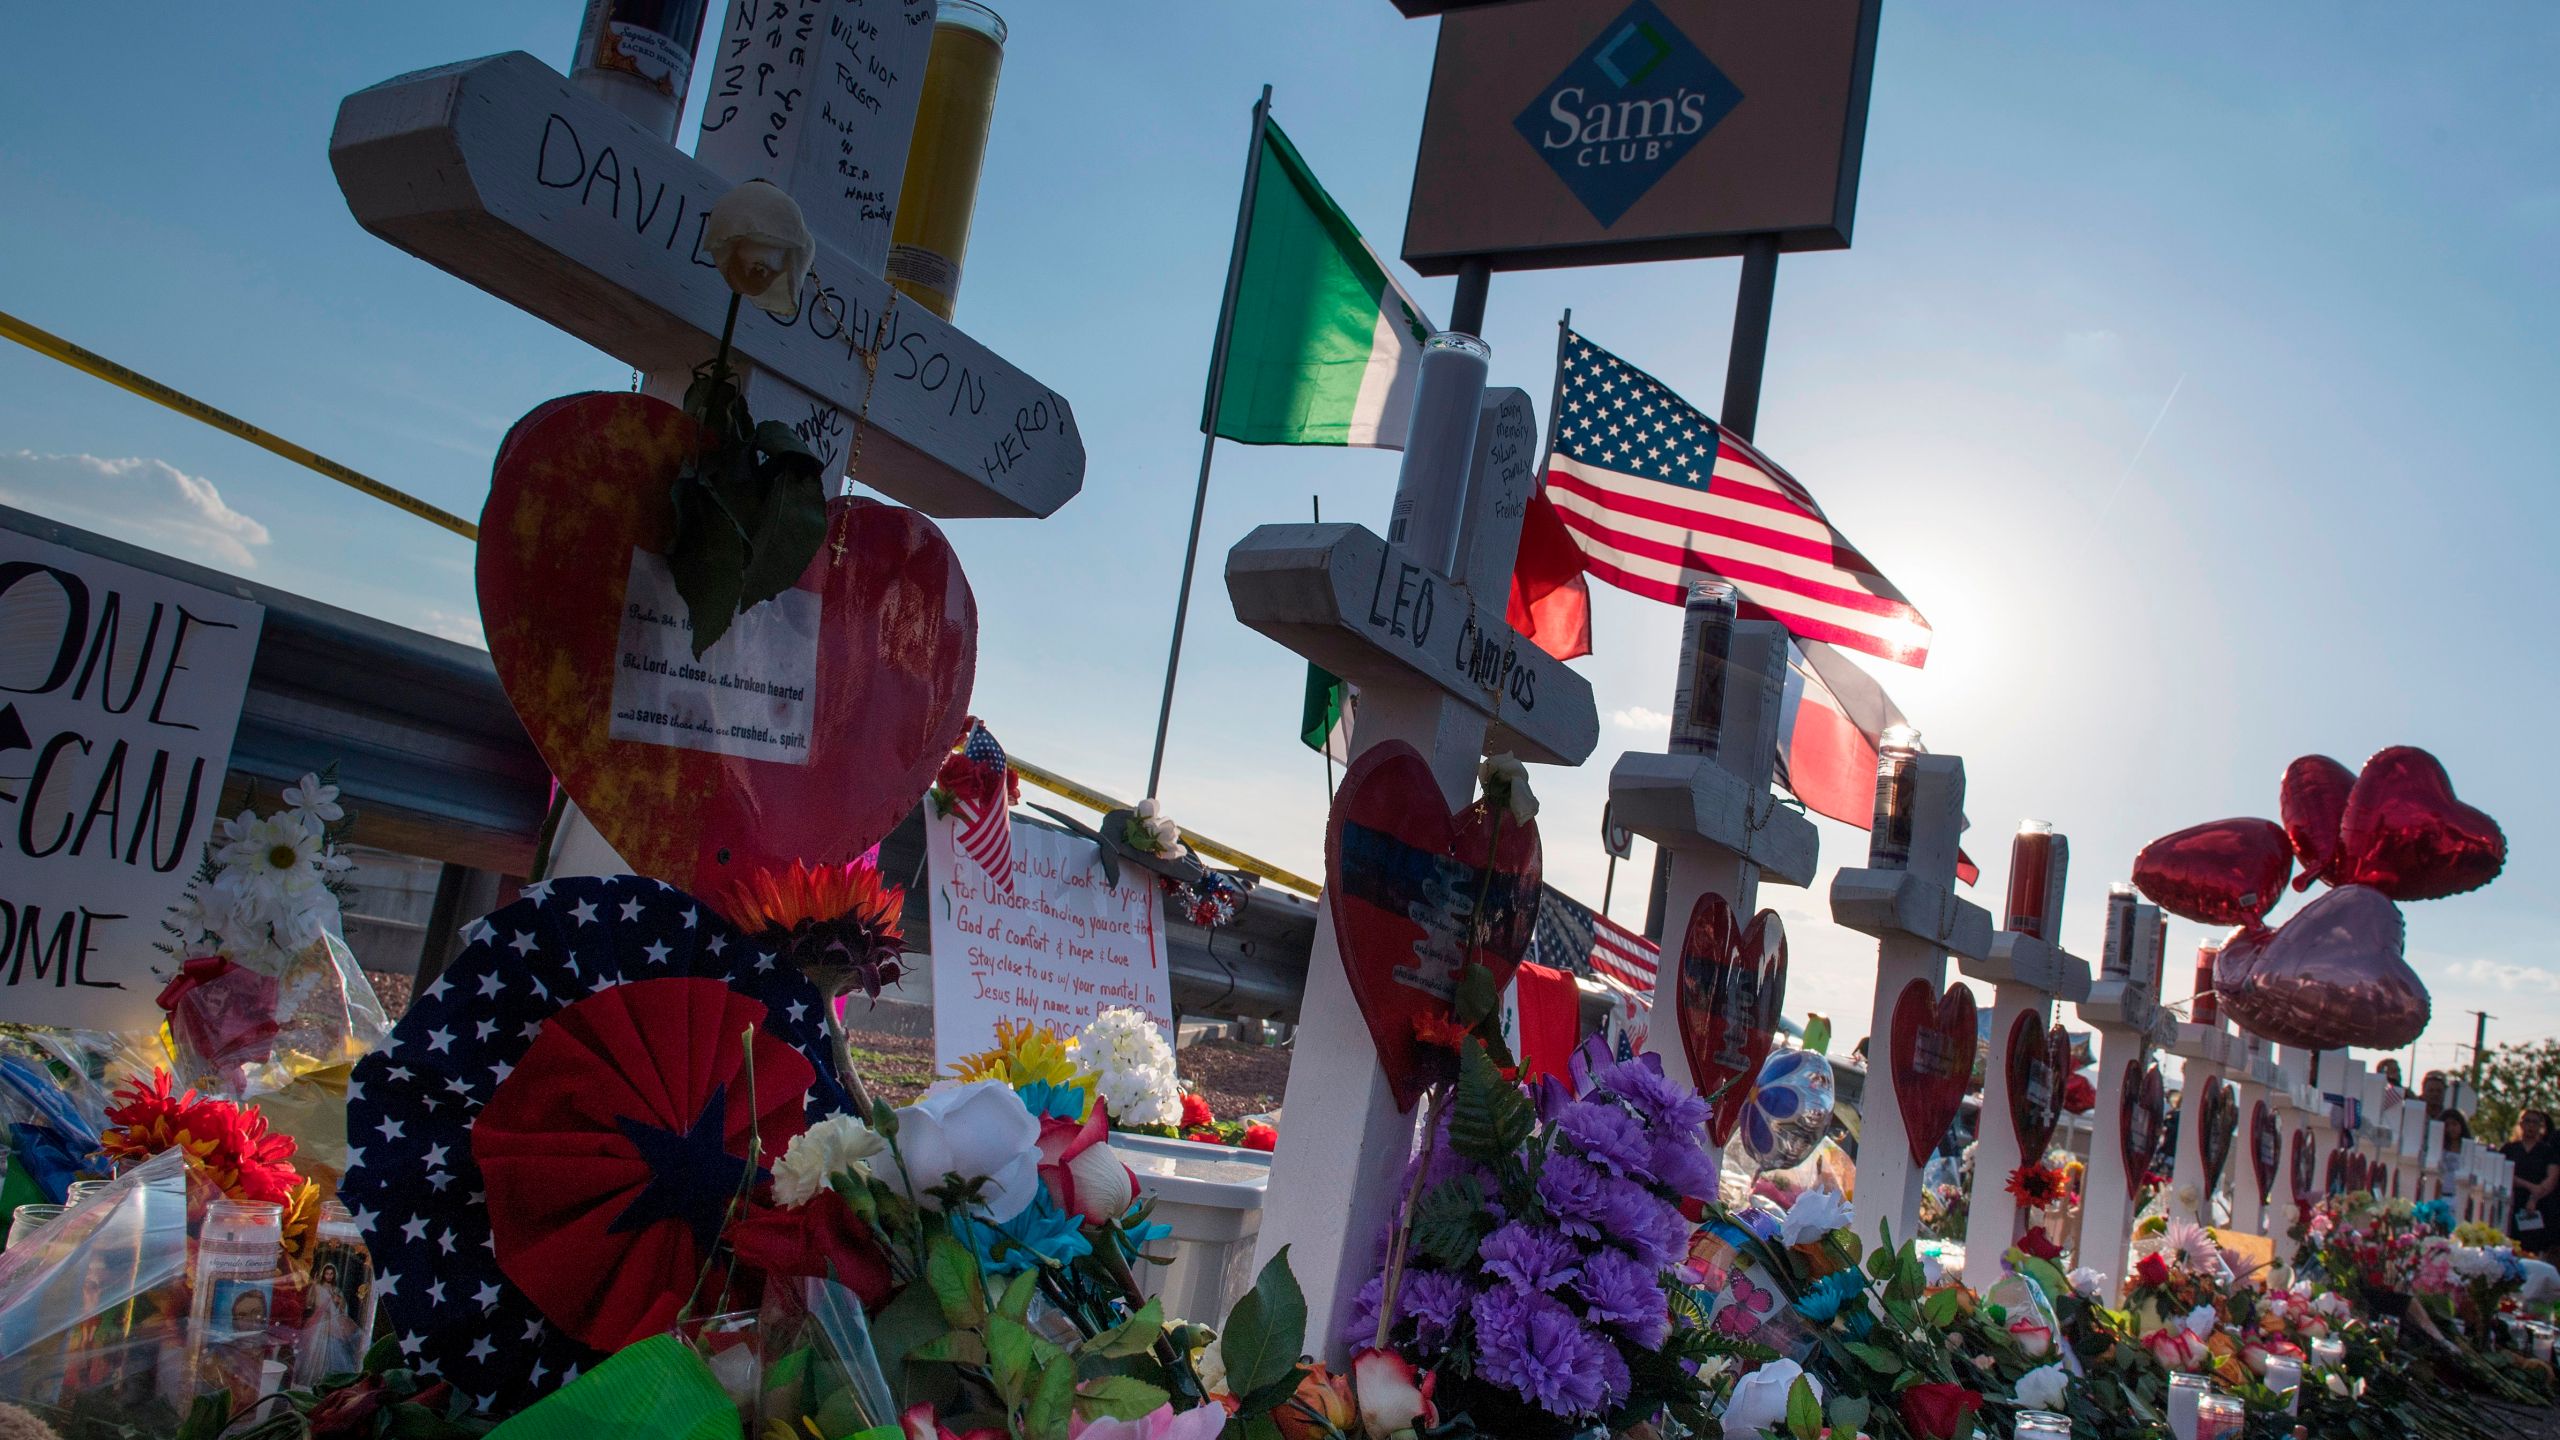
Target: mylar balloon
x=1790, y=1109
x=2223, y=872
x=2239, y=955
x=2332, y=976
x=2405, y=835
x=2313, y=802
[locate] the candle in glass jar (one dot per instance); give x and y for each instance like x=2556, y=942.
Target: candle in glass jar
x=2284, y=1376
x=2039, y=861
x=2185, y=1391
x=2158, y=962
x=1706, y=649
x=2115, y=957
x=2042, y=1425
x=2207, y=1009
x=1889, y=837
x=2220, y=1417
x=2328, y=1354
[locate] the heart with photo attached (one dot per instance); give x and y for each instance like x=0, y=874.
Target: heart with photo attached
x=1933, y=1045
x=1733, y=979
x=2143, y=1122
x=806, y=734
x=1416, y=892
x=2266, y=1148
x=2221, y=1114
x=2038, y=1060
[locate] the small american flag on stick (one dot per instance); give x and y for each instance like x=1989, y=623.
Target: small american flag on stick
x=982, y=792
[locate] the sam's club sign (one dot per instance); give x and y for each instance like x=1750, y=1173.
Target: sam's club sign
x=1625, y=111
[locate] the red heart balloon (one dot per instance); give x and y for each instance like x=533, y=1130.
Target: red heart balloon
x=879, y=639
x=2405, y=835
x=2144, y=1121
x=1732, y=981
x=2331, y=976
x=1933, y=1043
x=2238, y=957
x=2266, y=1148
x=2303, y=1166
x=2313, y=803
x=2221, y=1117
x=2223, y=872
x=2037, y=1060
x=1403, y=877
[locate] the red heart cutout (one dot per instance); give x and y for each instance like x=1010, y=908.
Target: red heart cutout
x=1732, y=982
x=1933, y=1043
x=2303, y=1163
x=577, y=503
x=2223, y=872
x=2038, y=1060
x=2331, y=976
x=2266, y=1148
x=2144, y=1121
x=2312, y=801
x=2405, y=835
x=1401, y=875
x=2221, y=1117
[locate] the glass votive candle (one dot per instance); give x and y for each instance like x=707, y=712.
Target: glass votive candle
x=2328, y=1353
x=29, y=1219
x=2220, y=1417
x=2284, y=1376
x=2042, y=1425
x=2543, y=1340
x=79, y=1190
x=2186, y=1396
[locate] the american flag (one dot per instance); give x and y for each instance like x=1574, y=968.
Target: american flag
x=1571, y=936
x=985, y=832
x=1659, y=497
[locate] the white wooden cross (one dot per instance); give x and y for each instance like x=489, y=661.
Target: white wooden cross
x=2125, y=1009
x=2411, y=1159
x=1918, y=920
x=2027, y=974
x=1716, y=817
x=2254, y=1079
x=2299, y=1111
x=1437, y=667
x=2210, y=1053
x=502, y=173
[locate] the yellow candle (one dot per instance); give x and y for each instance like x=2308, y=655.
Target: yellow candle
x=953, y=115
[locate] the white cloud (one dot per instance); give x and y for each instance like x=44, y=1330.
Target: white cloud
x=461, y=629
x=182, y=511
x=1636, y=717
x=2501, y=975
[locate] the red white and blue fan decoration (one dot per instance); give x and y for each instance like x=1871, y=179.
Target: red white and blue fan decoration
x=587, y=1047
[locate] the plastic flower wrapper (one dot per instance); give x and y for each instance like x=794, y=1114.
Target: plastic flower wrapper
x=53, y=1111
x=94, y=1301
x=821, y=1372
x=2024, y=1312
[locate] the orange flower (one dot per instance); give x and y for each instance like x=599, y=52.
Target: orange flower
x=228, y=1144
x=1441, y=1032
x=1322, y=1406
x=302, y=1228
x=836, y=923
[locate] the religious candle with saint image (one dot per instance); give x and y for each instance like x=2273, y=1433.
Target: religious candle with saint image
x=1706, y=649
x=1889, y=836
x=637, y=56
x=2115, y=958
x=2038, y=862
x=2207, y=1009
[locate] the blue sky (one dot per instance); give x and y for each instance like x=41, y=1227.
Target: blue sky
x=2192, y=373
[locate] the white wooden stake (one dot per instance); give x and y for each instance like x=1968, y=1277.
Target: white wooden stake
x=1716, y=817
x=2125, y=1011
x=1437, y=667
x=2207, y=1051
x=1918, y=920
x=2026, y=975
x=2254, y=1079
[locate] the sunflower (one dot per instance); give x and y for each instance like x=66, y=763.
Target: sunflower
x=837, y=923
x=1026, y=1052
x=2036, y=1186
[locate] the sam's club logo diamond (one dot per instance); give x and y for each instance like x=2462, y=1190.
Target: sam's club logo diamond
x=1625, y=111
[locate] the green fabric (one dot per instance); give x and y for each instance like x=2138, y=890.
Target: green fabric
x=20, y=1188
x=1322, y=709
x=1306, y=313
x=658, y=1389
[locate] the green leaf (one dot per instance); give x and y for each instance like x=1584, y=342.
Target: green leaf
x=1251, y=1425
x=1134, y=1336
x=1477, y=997
x=707, y=560
x=1015, y=1303
x=911, y=1321
x=1046, y=1417
x=1875, y=1357
x=1804, y=1413
x=1118, y=1397
x=789, y=526
x=952, y=1347
x=1941, y=1308
x=207, y=1417
x=1489, y=1118
x=1450, y=1221
x=953, y=1273
x=1266, y=1332
x=1848, y=1414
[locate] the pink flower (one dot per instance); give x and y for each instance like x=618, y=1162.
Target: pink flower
x=1392, y=1402
x=920, y=1424
x=1083, y=1173
x=2176, y=1347
x=1201, y=1422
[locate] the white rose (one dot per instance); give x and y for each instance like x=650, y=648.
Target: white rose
x=1760, y=1399
x=1505, y=783
x=2088, y=1282
x=2043, y=1387
x=975, y=1130
x=761, y=242
x=2200, y=1321
x=1814, y=1214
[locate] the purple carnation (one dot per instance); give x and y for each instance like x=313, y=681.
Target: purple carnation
x=1360, y=1327
x=1645, y=1223
x=1571, y=1190
x=1543, y=1354
x=1529, y=1257
x=1625, y=1294
x=1433, y=1300
x=1681, y=1164
x=1610, y=1137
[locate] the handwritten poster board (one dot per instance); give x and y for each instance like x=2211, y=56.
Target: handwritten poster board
x=119, y=693
x=1062, y=947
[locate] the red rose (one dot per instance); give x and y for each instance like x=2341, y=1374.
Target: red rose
x=347, y=1414
x=2152, y=1271
x=820, y=1239
x=1260, y=1137
x=1196, y=1113
x=2078, y=1095
x=2040, y=1245
x=1937, y=1412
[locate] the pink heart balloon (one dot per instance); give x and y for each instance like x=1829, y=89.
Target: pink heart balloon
x=2332, y=976
x=2223, y=872
x=2239, y=955
x=2313, y=804
x=2405, y=835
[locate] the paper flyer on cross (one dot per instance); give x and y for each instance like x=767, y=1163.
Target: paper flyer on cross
x=748, y=695
x=119, y=694
x=1059, y=949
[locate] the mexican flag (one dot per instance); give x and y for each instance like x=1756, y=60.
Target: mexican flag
x=1324, y=345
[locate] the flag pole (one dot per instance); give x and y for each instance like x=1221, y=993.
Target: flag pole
x=1209, y=427
x=1555, y=398
x=1317, y=501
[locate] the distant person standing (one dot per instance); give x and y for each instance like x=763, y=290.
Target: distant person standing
x=2537, y=1175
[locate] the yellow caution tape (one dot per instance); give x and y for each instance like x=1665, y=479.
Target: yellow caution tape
x=1100, y=803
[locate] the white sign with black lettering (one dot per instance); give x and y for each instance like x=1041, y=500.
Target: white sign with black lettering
x=119, y=693
x=751, y=694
